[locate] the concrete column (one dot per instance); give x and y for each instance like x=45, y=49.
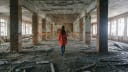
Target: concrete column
x=102, y=26
x=81, y=29
x=15, y=25
x=88, y=29
x=44, y=29
x=35, y=28
x=8, y=28
x=52, y=31
x=46, y=33
x=73, y=31
x=40, y=32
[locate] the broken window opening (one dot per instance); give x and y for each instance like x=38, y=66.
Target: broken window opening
x=121, y=25
x=113, y=27
x=3, y=27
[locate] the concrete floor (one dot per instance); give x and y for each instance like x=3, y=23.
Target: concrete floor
x=76, y=56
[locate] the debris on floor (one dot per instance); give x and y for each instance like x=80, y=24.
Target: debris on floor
x=46, y=57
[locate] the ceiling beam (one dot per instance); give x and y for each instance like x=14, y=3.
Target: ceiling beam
x=91, y=7
x=27, y=5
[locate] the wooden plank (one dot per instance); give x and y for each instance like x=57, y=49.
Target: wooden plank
x=109, y=60
x=52, y=67
x=86, y=67
x=43, y=62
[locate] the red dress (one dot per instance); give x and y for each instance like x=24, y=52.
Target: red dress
x=62, y=39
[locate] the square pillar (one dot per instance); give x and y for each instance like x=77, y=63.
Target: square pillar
x=8, y=29
x=35, y=28
x=43, y=29
x=15, y=25
x=102, y=26
x=88, y=29
x=40, y=32
x=52, y=31
x=81, y=29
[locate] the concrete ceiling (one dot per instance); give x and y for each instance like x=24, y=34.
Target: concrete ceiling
x=59, y=6
x=60, y=11
x=116, y=7
x=54, y=7
x=63, y=18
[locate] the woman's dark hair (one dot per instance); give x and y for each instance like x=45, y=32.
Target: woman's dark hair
x=63, y=30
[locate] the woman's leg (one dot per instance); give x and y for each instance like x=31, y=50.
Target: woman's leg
x=62, y=50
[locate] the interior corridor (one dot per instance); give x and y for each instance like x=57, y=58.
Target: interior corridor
x=97, y=34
